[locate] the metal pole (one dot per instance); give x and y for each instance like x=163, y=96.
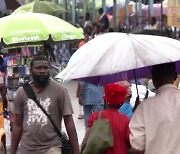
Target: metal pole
x=140, y=15
x=73, y=12
x=104, y=5
x=175, y=32
x=84, y=7
x=56, y=1
x=65, y=6
x=114, y=14
x=161, y=15
x=93, y=10
x=84, y=10
x=127, y=14
x=136, y=15
x=151, y=2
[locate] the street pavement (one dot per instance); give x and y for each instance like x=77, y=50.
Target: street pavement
x=71, y=86
x=79, y=123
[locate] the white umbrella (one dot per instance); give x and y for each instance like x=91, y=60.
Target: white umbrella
x=113, y=56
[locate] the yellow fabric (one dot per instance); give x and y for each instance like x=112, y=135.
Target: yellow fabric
x=2, y=132
x=122, y=12
x=1, y=116
x=176, y=83
x=54, y=150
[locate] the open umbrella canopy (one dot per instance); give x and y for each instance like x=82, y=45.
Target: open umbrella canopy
x=40, y=7
x=117, y=56
x=32, y=28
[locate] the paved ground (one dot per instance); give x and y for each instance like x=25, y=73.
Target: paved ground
x=71, y=86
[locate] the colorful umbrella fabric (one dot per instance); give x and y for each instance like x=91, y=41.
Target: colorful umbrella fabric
x=40, y=7
x=33, y=28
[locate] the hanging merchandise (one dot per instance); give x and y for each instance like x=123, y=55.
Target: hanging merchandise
x=63, y=54
x=17, y=74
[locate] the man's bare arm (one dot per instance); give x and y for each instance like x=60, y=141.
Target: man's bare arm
x=83, y=145
x=16, y=132
x=71, y=130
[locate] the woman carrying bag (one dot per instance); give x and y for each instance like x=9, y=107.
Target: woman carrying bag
x=114, y=96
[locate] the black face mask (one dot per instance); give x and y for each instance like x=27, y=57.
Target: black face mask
x=41, y=80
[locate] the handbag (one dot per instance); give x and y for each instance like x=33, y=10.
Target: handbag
x=66, y=144
x=100, y=137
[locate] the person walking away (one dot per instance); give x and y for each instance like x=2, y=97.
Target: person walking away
x=78, y=91
x=31, y=125
x=78, y=95
x=92, y=99
x=87, y=22
x=85, y=40
x=103, y=20
x=154, y=123
x=114, y=96
x=96, y=30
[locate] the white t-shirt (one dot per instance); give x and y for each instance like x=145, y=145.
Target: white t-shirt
x=88, y=23
x=150, y=27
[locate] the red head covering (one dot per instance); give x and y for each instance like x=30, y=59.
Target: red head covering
x=114, y=94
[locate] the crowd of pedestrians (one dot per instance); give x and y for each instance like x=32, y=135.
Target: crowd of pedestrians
x=148, y=128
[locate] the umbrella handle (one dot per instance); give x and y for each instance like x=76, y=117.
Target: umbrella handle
x=137, y=102
x=136, y=82
x=137, y=98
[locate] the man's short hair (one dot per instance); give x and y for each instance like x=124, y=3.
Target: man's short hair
x=100, y=10
x=164, y=70
x=38, y=58
x=154, y=19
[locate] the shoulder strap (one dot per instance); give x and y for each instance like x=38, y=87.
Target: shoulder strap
x=99, y=115
x=30, y=93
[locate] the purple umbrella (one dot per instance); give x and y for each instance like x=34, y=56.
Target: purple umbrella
x=144, y=72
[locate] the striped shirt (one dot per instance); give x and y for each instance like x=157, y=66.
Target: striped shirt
x=120, y=129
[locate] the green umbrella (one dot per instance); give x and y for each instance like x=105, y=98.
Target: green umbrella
x=40, y=7
x=35, y=28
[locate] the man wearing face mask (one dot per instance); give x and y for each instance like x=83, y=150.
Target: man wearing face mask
x=31, y=125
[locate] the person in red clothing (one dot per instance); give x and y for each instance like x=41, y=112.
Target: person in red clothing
x=85, y=40
x=114, y=96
